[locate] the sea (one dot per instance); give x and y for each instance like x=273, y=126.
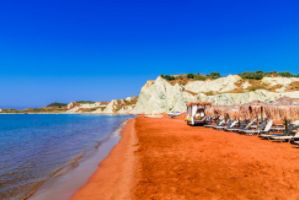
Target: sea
x=42, y=155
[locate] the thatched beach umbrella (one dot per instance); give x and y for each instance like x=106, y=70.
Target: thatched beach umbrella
x=254, y=109
x=282, y=112
x=284, y=109
x=233, y=112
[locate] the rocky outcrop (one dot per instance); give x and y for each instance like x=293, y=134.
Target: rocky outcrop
x=119, y=106
x=282, y=83
x=219, y=85
x=160, y=96
x=75, y=107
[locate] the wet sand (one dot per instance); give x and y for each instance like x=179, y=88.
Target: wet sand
x=114, y=177
x=175, y=161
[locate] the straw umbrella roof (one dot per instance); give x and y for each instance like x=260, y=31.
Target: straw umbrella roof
x=283, y=108
x=231, y=111
x=200, y=103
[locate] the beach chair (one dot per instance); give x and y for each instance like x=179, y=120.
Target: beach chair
x=286, y=132
x=285, y=138
x=223, y=125
x=243, y=127
x=220, y=123
x=232, y=125
x=266, y=129
x=278, y=129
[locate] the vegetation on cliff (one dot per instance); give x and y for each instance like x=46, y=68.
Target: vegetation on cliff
x=56, y=104
x=258, y=75
x=183, y=79
x=85, y=102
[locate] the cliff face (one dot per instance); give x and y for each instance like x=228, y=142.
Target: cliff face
x=160, y=95
x=120, y=106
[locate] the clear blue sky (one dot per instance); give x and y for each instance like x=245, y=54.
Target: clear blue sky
x=58, y=50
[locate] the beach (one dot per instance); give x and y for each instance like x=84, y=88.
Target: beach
x=162, y=158
x=115, y=177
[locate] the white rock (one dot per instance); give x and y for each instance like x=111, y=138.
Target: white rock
x=160, y=96
x=284, y=82
x=220, y=85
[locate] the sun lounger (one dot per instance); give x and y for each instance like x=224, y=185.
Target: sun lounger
x=295, y=141
x=246, y=127
x=213, y=126
x=278, y=129
x=232, y=125
x=285, y=137
x=265, y=130
x=267, y=136
x=286, y=132
x=224, y=125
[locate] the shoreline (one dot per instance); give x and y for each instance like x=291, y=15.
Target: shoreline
x=114, y=177
x=65, y=185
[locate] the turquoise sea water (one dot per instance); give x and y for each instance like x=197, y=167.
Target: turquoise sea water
x=36, y=148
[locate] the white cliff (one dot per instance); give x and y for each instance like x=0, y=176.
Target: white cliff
x=219, y=85
x=282, y=82
x=160, y=96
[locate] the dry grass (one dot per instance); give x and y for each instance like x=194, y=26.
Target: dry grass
x=181, y=80
x=238, y=88
x=259, y=85
x=293, y=86
x=124, y=104
x=211, y=93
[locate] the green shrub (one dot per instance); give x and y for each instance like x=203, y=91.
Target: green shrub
x=168, y=77
x=190, y=76
x=200, y=77
x=56, y=104
x=214, y=75
x=85, y=102
x=285, y=74
x=258, y=75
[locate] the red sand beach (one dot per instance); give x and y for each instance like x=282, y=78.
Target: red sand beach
x=166, y=159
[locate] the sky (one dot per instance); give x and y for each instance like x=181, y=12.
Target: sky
x=62, y=51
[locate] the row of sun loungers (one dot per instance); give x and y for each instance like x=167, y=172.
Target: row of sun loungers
x=264, y=129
